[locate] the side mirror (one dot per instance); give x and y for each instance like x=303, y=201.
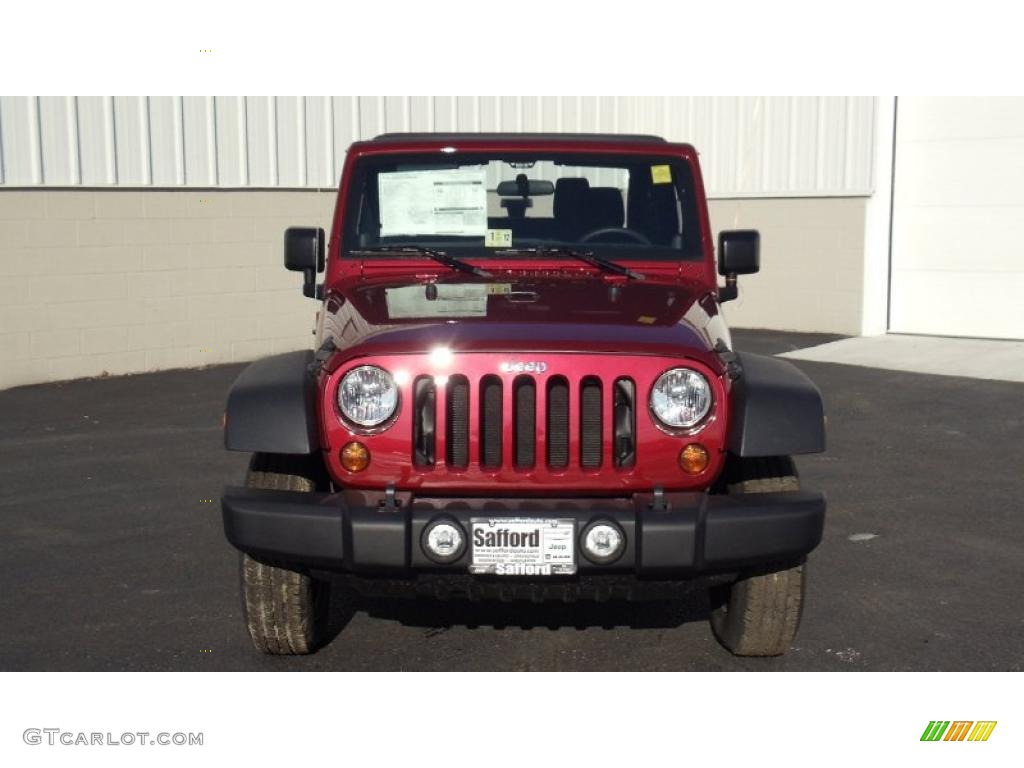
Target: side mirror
x=739, y=253
x=304, y=252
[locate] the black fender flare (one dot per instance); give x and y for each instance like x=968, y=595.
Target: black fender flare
x=272, y=408
x=776, y=409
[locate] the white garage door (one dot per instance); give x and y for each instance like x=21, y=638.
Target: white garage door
x=958, y=218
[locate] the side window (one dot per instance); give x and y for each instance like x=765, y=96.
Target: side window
x=655, y=205
x=367, y=217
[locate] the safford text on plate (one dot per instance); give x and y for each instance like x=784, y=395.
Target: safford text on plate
x=523, y=546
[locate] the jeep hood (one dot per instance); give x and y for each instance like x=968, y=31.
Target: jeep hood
x=540, y=312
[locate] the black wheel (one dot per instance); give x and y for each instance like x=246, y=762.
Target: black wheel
x=758, y=615
x=285, y=610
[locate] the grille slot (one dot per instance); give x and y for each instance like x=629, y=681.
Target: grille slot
x=558, y=423
x=590, y=423
x=624, y=403
x=424, y=437
x=490, y=422
x=524, y=436
x=457, y=422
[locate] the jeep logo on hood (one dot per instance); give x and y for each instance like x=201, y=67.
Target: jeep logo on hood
x=520, y=366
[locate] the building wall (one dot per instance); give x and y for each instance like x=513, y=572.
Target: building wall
x=750, y=146
x=125, y=281
x=957, y=258
x=143, y=233
x=812, y=263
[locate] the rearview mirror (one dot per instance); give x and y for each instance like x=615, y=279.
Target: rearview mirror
x=304, y=252
x=739, y=253
x=524, y=187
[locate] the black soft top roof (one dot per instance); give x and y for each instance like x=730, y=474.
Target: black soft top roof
x=624, y=138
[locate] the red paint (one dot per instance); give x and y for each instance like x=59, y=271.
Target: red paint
x=580, y=323
x=657, y=461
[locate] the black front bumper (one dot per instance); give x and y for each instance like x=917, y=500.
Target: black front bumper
x=681, y=534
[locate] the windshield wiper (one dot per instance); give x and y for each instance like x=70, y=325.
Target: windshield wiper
x=587, y=257
x=439, y=256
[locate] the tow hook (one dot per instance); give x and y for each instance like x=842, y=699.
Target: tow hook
x=390, y=502
x=658, y=503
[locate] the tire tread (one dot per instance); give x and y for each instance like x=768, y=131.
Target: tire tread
x=761, y=613
x=280, y=604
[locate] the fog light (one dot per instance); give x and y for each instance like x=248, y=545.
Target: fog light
x=443, y=541
x=603, y=542
x=355, y=457
x=694, y=459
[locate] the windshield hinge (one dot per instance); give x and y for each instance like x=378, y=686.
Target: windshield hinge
x=322, y=355
x=730, y=359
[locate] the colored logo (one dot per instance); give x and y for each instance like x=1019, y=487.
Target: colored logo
x=958, y=730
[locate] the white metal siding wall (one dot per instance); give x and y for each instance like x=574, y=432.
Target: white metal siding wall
x=957, y=262
x=751, y=146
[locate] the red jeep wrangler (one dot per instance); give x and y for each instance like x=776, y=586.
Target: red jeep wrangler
x=523, y=388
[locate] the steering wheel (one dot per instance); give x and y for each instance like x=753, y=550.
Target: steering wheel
x=629, y=234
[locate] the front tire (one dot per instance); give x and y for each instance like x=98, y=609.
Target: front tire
x=759, y=614
x=285, y=610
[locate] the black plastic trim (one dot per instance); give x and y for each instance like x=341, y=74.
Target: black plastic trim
x=271, y=407
x=611, y=138
x=285, y=525
x=689, y=533
x=776, y=409
x=746, y=529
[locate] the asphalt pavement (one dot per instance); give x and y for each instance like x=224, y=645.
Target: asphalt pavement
x=112, y=555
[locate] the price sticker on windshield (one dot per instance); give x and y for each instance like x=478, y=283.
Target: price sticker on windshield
x=661, y=174
x=498, y=238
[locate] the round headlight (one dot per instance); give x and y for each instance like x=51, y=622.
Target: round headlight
x=681, y=397
x=367, y=396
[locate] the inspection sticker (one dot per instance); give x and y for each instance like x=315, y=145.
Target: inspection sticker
x=661, y=174
x=498, y=238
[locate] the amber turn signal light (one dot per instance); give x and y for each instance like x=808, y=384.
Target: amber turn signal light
x=694, y=459
x=355, y=457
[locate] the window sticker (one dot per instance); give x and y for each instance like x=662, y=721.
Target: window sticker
x=433, y=202
x=661, y=174
x=498, y=238
x=453, y=300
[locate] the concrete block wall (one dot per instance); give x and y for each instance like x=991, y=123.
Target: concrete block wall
x=812, y=263
x=96, y=282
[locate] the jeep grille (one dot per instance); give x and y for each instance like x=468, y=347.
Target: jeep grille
x=480, y=407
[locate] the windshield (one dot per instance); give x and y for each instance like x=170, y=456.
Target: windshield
x=472, y=204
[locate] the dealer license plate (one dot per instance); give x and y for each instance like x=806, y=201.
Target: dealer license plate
x=523, y=547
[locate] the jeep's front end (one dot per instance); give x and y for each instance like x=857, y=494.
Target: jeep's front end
x=523, y=387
